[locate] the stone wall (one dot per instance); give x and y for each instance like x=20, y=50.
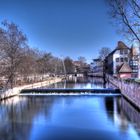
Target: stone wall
x=16, y=90
x=131, y=90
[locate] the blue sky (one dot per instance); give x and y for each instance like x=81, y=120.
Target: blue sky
x=64, y=27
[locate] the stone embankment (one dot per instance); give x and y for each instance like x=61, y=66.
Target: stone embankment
x=130, y=90
x=16, y=90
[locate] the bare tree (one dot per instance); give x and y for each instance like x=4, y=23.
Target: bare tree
x=126, y=14
x=69, y=65
x=82, y=59
x=57, y=66
x=45, y=63
x=20, y=63
x=12, y=50
x=103, y=53
x=29, y=66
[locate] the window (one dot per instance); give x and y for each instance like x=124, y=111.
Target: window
x=126, y=59
x=121, y=59
x=126, y=51
x=121, y=51
x=135, y=57
x=135, y=68
x=117, y=59
x=135, y=63
x=131, y=62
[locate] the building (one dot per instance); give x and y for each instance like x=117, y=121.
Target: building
x=117, y=63
x=134, y=61
x=81, y=68
x=125, y=71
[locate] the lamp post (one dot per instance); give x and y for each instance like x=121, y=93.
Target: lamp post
x=64, y=67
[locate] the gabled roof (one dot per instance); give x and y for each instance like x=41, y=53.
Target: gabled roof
x=120, y=46
x=125, y=68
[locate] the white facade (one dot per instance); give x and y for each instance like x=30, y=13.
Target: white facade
x=120, y=57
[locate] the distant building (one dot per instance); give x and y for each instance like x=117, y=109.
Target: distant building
x=83, y=68
x=77, y=66
x=117, y=63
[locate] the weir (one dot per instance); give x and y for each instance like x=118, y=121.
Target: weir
x=70, y=90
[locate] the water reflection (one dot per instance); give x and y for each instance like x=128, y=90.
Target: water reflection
x=16, y=118
x=80, y=117
x=86, y=82
x=132, y=113
x=117, y=115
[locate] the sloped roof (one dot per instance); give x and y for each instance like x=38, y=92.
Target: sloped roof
x=120, y=46
x=125, y=68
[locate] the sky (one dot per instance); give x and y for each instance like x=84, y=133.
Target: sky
x=63, y=27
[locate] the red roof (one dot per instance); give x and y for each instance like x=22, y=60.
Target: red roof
x=125, y=68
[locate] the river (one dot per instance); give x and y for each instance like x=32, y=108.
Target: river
x=69, y=117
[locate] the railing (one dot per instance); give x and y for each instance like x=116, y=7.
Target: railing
x=131, y=90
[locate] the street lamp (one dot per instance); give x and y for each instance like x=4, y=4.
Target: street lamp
x=64, y=67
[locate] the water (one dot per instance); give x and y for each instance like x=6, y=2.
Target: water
x=68, y=118
x=82, y=83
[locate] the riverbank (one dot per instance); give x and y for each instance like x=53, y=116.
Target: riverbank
x=130, y=90
x=16, y=90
